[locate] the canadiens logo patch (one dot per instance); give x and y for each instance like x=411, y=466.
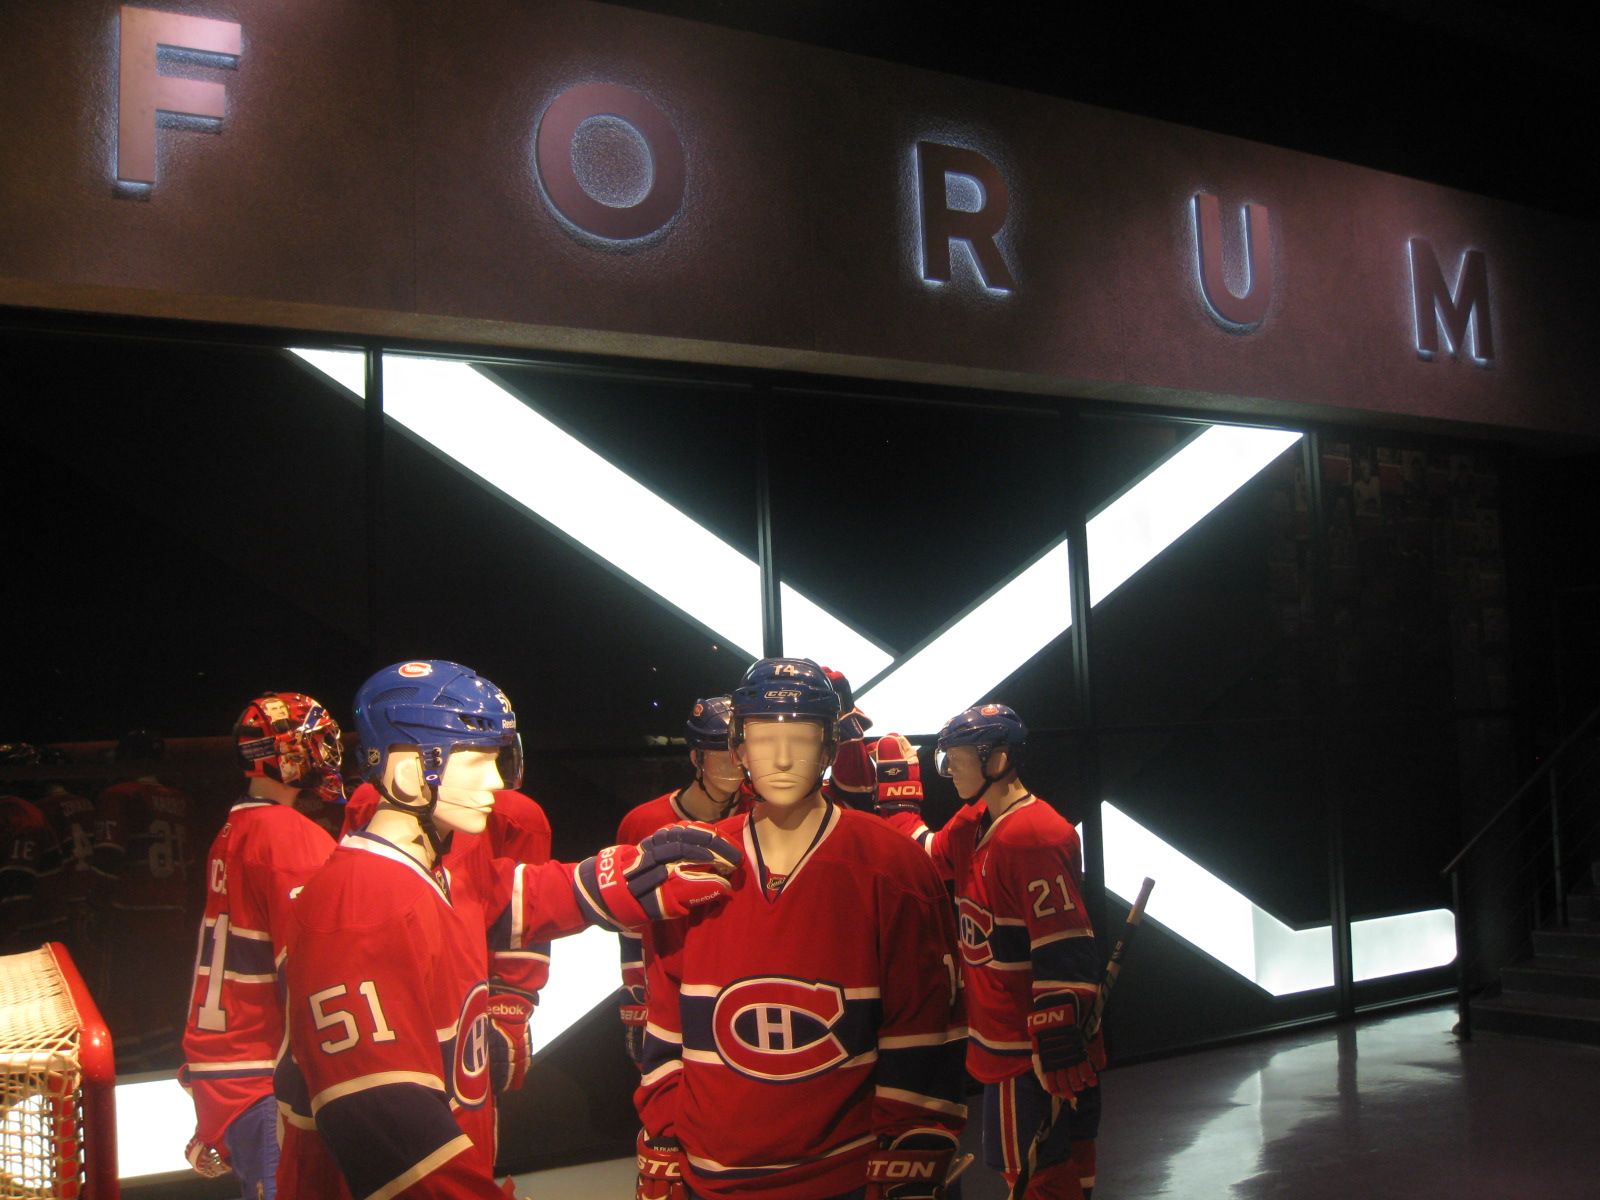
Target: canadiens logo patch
x=415, y=670
x=989, y=710
x=779, y=1029
x=977, y=925
x=470, y=1079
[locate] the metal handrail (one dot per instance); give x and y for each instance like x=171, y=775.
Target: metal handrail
x=1545, y=768
x=1453, y=869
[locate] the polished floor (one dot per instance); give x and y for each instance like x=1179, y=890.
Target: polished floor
x=1388, y=1107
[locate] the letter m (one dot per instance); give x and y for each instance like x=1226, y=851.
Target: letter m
x=1461, y=313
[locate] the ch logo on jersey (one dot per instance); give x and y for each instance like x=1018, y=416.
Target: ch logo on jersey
x=977, y=926
x=779, y=1029
x=470, y=1079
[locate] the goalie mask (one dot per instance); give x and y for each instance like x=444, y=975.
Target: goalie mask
x=290, y=738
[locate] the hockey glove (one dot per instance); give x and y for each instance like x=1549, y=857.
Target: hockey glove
x=852, y=782
x=913, y=1166
x=510, y=1039
x=660, y=1169
x=672, y=872
x=209, y=1162
x=634, y=1015
x=1060, y=1052
x=899, y=776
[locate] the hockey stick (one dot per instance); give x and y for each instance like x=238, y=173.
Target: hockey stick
x=1090, y=1027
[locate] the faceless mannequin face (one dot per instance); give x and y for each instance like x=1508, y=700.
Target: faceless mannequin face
x=965, y=769
x=466, y=791
x=722, y=771
x=785, y=759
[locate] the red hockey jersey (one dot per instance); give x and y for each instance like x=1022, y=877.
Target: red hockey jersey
x=1024, y=930
x=388, y=1021
x=29, y=855
x=263, y=855
x=787, y=1034
x=141, y=842
x=517, y=829
x=72, y=818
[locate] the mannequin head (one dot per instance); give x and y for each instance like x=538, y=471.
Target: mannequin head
x=438, y=739
x=784, y=728
x=785, y=759
x=716, y=771
x=981, y=747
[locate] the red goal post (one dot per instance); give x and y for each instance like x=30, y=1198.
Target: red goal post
x=58, y=1128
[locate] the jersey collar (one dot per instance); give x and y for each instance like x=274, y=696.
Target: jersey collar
x=371, y=843
x=752, y=849
x=1017, y=807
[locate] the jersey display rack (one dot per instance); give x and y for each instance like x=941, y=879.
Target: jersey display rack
x=57, y=1083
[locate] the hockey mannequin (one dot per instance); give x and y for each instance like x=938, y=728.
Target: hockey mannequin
x=1028, y=952
x=715, y=793
x=517, y=829
x=804, y=1040
x=390, y=1084
x=286, y=743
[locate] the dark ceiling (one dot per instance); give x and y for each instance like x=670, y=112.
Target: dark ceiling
x=1498, y=99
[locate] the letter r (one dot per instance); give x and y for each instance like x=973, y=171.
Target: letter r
x=142, y=91
x=942, y=224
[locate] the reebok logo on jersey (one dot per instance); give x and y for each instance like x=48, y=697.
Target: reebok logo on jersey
x=779, y=1029
x=977, y=926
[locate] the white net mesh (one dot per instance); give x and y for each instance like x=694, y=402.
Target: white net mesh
x=40, y=1115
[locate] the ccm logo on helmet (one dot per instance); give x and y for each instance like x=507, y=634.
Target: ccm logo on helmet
x=469, y=1066
x=781, y=1029
x=977, y=924
x=415, y=670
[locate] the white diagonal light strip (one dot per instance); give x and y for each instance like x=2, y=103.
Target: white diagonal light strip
x=1228, y=926
x=471, y=419
x=997, y=636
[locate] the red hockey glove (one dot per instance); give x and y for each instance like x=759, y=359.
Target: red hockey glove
x=635, y=1013
x=672, y=872
x=660, y=1169
x=510, y=1039
x=1060, y=1055
x=208, y=1162
x=899, y=775
x=914, y=1166
x=853, y=780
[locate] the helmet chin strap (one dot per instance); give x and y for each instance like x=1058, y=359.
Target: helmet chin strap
x=423, y=813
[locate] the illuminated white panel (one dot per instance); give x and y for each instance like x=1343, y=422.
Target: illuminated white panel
x=585, y=969
x=345, y=367
x=477, y=423
x=155, y=1119
x=1385, y=946
x=1169, y=501
x=986, y=645
x=1226, y=925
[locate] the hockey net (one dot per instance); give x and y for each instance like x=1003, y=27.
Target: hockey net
x=57, y=1083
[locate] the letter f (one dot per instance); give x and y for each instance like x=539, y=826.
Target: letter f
x=142, y=90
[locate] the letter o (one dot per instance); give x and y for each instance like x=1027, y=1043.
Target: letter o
x=553, y=160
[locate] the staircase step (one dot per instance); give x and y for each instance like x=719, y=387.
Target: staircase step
x=1554, y=977
x=1567, y=1018
x=1567, y=943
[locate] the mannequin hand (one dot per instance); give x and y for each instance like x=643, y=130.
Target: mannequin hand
x=635, y=1015
x=914, y=1166
x=899, y=775
x=1060, y=1055
x=510, y=1040
x=208, y=1162
x=853, y=780
x=660, y=1169
x=668, y=875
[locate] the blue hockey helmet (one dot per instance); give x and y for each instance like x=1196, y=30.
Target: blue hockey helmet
x=987, y=727
x=438, y=707
x=707, y=726
x=784, y=689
